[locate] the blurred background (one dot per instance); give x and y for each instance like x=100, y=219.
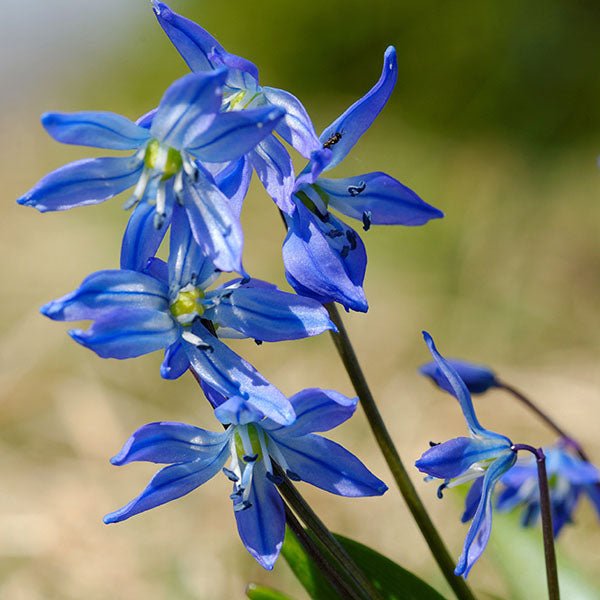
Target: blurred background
x=495, y=120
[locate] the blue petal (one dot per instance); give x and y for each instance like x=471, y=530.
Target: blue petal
x=321, y=266
x=319, y=159
x=127, y=333
x=176, y=361
x=378, y=197
x=266, y=313
x=232, y=376
x=359, y=117
x=274, y=168
x=233, y=181
x=477, y=378
x=460, y=391
x=188, y=107
x=171, y=483
x=262, y=525
x=83, y=182
x=142, y=238
x=472, y=500
x=157, y=268
x=296, y=128
x=145, y=120
x=167, y=442
x=572, y=468
x=328, y=466
x=200, y=50
x=316, y=410
x=593, y=492
x=96, y=129
x=109, y=290
x=214, y=224
x=187, y=261
x=481, y=527
x=233, y=134
x=454, y=457
x=235, y=411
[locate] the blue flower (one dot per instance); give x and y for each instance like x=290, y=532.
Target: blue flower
x=569, y=478
x=325, y=258
x=169, y=307
x=272, y=163
x=483, y=458
x=169, y=144
x=478, y=378
x=245, y=452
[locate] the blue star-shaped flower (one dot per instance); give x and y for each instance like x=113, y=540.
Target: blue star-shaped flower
x=325, y=258
x=248, y=447
x=569, y=478
x=484, y=457
x=186, y=130
x=169, y=307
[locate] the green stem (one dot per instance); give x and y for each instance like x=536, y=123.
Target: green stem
x=314, y=524
x=407, y=489
x=343, y=589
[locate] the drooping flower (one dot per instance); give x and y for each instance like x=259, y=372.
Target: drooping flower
x=478, y=378
x=271, y=161
x=169, y=307
x=569, y=478
x=483, y=458
x=169, y=144
x=325, y=258
x=245, y=453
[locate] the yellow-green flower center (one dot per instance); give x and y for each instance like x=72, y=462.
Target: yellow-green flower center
x=188, y=304
x=169, y=157
x=254, y=443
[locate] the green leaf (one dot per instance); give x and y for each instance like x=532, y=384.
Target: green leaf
x=391, y=580
x=261, y=592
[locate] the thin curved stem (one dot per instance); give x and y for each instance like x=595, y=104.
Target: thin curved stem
x=532, y=406
x=546, y=512
x=407, y=489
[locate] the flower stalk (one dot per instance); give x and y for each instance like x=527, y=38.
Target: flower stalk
x=392, y=457
x=546, y=514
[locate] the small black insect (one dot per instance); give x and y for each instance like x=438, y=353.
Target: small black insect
x=333, y=140
x=355, y=190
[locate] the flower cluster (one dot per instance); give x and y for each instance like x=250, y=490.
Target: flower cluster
x=187, y=169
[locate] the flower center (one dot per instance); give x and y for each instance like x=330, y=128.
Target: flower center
x=188, y=304
x=247, y=443
x=163, y=158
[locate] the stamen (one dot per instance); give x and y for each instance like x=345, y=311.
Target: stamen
x=193, y=339
x=258, y=342
x=366, y=219
x=440, y=490
x=230, y=475
x=355, y=190
x=140, y=188
x=161, y=203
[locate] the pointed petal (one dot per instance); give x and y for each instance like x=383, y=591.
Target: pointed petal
x=262, y=525
x=481, y=527
x=167, y=442
x=188, y=107
x=472, y=500
x=213, y=222
x=316, y=410
x=109, y=290
x=328, y=466
x=454, y=457
x=572, y=468
x=232, y=376
x=142, y=238
x=460, y=391
x=477, y=378
x=235, y=411
x=175, y=362
x=593, y=492
x=187, y=261
x=96, y=129
x=83, y=182
x=233, y=134
x=296, y=128
x=380, y=197
x=274, y=168
x=171, y=483
x=234, y=181
x=325, y=260
x=359, y=117
x=200, y=50
x=266, y=313
x=126, y=333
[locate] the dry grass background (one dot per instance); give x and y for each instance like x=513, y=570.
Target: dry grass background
x=509, y=278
